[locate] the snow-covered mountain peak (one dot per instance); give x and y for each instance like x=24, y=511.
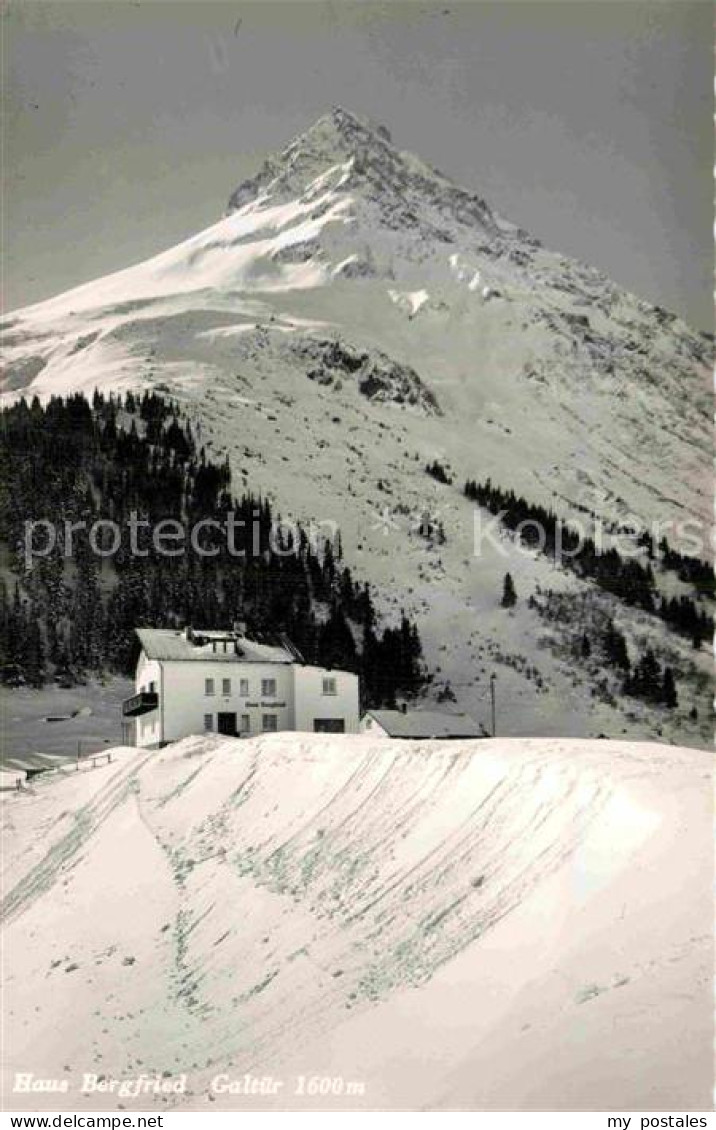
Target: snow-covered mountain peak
x=340, y=129
x=407, y=192
x=337, y=137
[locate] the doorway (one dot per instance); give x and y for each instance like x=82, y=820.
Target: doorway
x=226, y=723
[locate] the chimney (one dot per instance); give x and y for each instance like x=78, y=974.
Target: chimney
x=403, y=708
x=188, y=633
x=240, y=627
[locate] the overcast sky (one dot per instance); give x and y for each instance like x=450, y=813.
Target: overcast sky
x=128, y=124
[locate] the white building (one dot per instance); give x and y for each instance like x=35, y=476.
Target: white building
x=190, y=682
x=419, y=724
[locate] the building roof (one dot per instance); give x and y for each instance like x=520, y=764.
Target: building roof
x=213, y=646
x=425, y=724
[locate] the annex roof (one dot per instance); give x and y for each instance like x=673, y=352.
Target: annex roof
x=425, y=724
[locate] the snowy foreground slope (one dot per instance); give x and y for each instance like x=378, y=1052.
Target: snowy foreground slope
x=498, y=924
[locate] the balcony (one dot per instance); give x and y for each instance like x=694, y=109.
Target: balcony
x=140, y=703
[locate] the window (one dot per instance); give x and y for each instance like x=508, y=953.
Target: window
x=208, y=722
x=268, y=689
x=329, y=686
x=269, y=722
x=208, y=686
x=244, y=688
x=245, y=724
x=329, y=725
x=226, y=686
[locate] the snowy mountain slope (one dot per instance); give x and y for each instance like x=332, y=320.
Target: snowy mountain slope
x=355, y=315
x=486, y=925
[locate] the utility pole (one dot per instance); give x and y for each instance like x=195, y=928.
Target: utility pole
x=493, y=677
